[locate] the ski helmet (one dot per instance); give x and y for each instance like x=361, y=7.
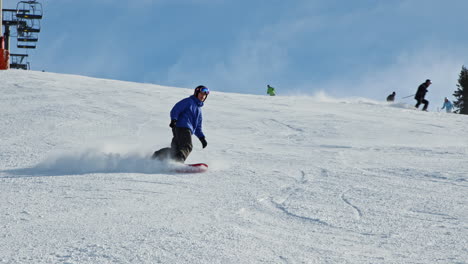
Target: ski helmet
x=201, y=89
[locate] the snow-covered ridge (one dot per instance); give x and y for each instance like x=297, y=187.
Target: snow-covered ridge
x=292, y=179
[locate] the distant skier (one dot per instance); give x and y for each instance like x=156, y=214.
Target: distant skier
x=421, y=93
x=447, y=105
x=186, y=119
x=391, y=97
x=271, y=90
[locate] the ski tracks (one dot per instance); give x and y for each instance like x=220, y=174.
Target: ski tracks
x=317, y=201
x=286, y=201
x=356, y=209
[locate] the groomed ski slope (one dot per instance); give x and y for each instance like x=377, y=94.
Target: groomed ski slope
x=292, y=179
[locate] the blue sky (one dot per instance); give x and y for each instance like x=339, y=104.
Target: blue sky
x=365, y=48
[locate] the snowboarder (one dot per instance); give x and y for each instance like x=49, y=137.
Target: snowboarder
x=186, y=119
x=271, y=90
x=447, y=105
x=421, y=93
x=391, y=97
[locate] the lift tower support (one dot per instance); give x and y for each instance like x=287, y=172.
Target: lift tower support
x=4, y=54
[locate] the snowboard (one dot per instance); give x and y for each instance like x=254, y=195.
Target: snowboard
x=192, y=168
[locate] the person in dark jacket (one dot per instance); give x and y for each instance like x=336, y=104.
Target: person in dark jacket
x=391, y=97
x=186, y=119
x=421, y=93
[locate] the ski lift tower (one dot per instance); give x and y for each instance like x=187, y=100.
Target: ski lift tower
x=25, y=21
x=4, y=54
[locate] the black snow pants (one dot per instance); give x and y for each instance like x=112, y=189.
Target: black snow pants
x=181, y=146
x=423, y=101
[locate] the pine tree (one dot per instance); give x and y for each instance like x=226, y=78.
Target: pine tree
x=462, y=92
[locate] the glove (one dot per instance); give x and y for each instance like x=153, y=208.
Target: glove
x=203, y=142
x=173, y=123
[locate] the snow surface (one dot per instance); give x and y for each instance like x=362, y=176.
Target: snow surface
x=292, y=179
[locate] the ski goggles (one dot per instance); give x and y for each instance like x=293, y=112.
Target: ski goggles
x=205, y=90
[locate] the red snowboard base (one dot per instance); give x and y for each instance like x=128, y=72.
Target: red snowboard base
x=192, y=168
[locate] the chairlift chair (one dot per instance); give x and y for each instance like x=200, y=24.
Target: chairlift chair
x=27, y=39
x=26, y=46
x=29, y=10
x=28, y=26
x=28, y=15
x=17, y=61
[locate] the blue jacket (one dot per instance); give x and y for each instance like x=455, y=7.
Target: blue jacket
x=188, y=114
x=448, y=105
